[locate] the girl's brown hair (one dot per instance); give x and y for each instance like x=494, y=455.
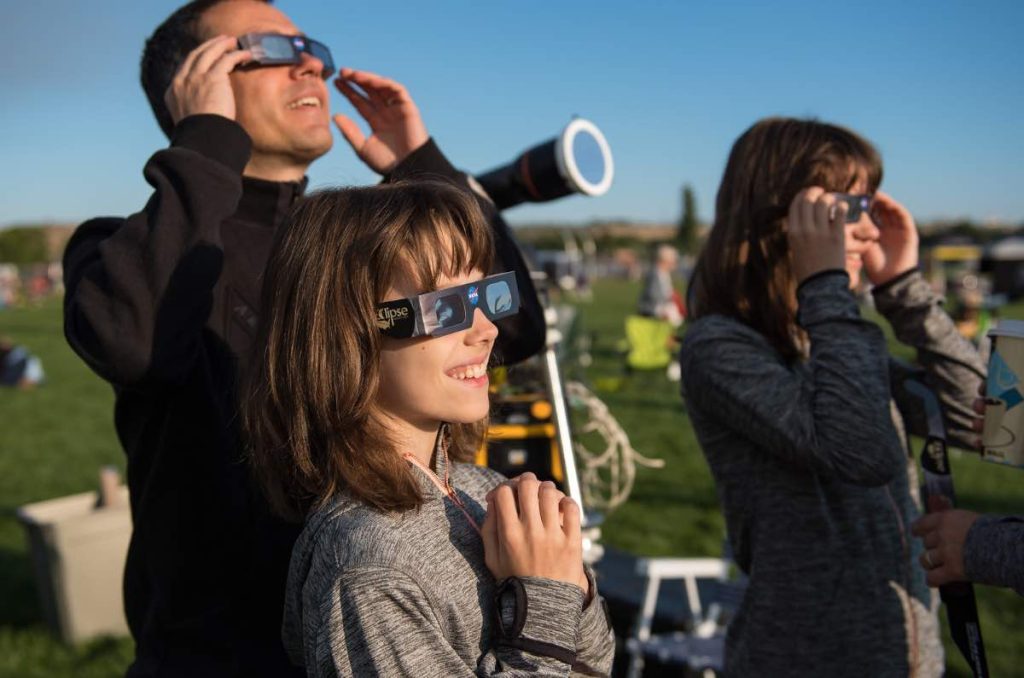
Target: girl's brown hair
x=309, y=407
x=744, y=270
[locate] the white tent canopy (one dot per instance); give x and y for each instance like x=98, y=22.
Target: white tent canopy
x=1007, y=249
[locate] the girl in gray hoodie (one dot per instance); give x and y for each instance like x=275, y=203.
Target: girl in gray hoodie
x=368, y=391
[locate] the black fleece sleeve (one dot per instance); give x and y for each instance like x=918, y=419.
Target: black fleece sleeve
x=522, y=335
x=139, y=290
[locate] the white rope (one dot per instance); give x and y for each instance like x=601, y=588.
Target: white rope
x=607, y=476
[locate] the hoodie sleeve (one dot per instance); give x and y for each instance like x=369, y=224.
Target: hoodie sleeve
x=994, y=552
x=952, y=365
x=830, y=416
x=139, y=290
x=382, y=623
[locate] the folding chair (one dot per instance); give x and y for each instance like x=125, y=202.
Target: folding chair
x=648, y=343
x=702, y=648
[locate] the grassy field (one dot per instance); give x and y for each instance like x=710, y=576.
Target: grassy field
x=53, y=440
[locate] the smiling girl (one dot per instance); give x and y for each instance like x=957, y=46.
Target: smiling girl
x=368, y=392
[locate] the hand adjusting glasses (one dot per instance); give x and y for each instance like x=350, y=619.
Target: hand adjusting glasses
x=856, y=205
x=442, y=312
x=275, y=49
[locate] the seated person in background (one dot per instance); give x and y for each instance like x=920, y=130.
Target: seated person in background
x=18, y=367
x=369, y=390
x=659, y=298
x=795, y=402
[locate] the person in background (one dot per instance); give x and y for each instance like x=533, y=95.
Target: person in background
x=365, y=402
x=799, y=411
x=961, y=545
x=163, y=305
x=659, y=298
x=18, y=367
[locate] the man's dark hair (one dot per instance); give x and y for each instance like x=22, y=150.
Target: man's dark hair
x=165, y=51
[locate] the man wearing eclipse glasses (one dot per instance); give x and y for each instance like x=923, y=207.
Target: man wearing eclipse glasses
x=163, y=303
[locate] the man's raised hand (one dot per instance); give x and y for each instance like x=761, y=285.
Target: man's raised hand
x=201, y=84
x=396, y=128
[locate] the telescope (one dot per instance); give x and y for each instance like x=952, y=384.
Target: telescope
x=533, y=431
x=578, y=160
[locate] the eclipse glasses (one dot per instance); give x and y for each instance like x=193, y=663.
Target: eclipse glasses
x=451, y=309
x=855, y=204
x=276, y=49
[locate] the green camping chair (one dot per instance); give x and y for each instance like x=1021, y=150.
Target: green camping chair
x=649, y=343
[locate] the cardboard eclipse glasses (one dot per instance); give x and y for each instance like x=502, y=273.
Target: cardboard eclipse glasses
x=856, y=205
x=275, y=49
x=451, y=309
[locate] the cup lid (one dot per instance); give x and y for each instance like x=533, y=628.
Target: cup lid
x=1008, y=328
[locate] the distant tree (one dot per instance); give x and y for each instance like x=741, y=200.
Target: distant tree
x=23, y=246
x=687, y=233
x=609, y=243
x=543, y=240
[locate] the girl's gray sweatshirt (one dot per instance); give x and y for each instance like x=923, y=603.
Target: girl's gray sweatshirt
x=409, y=594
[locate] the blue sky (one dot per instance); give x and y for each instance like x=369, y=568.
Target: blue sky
x=938, y=86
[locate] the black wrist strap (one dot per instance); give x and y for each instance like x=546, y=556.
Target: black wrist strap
x=512, y=637
x=541, y=648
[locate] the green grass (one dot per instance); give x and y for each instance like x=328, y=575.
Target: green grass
x=54, y=439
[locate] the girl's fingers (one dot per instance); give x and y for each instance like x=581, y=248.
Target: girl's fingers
x=529, y=500
x=896, y=214
x=824, y=213
x=505, y=515
x=808, y=207
x=550, y=497
x=570, y=513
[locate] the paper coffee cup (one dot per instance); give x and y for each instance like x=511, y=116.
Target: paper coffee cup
x=1002, y=438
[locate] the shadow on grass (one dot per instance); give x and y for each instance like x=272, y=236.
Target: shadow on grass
x=18, y=590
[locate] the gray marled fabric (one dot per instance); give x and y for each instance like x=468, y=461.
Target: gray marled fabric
x=409, y=595
x=994, y=552
x=813, y=478
x=954, y=368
